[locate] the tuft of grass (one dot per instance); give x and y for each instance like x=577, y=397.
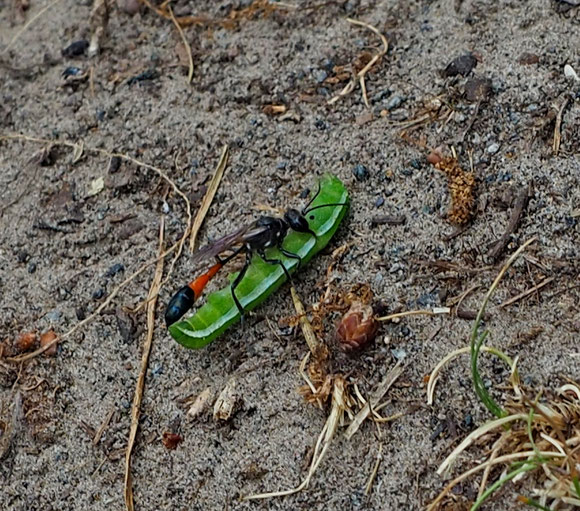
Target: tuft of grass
x=539, y=431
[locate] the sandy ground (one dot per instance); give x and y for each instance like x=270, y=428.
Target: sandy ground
x=63, y=249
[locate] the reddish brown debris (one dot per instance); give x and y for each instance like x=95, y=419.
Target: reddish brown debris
x=46, y=338
x=357, y=328
x=25, y=341
x=461, y=187
x=171, y=440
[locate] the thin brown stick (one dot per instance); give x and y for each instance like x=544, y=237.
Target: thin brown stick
x=388, y=219
x=103, y=426
x=558, y=127
x=208, y=198
x=519, y=207
x=305, y=325
x=135, y=409
x=377, y=463
x=528, y=292
x=434, y=312
x=185, y=43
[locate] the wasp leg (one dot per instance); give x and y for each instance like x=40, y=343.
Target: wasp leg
x=262, y=254
x=237, y=281
x=291, y=255
x=227, y=259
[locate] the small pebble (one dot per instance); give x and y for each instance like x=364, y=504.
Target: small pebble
x=462, y=65
x=320, y=124
x=113, y=270
x=416, y=163
x=532, y=107
x=395, y=102
x=528, y=58
x=320, y=75
x=54, y=315
x=478, y=89
x=31, y=268
x=398, y=353
x=328, y=65
x=360, y=172
x=396, y=267
x=75, y=49
x=46, y=338
x=98, y=294
x=304, y=193
x=492, y=148
x=281, y=165
x=379, y=202
x=130, y=7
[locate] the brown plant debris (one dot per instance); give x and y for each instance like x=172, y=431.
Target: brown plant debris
x=517, y=212
x=461, y=187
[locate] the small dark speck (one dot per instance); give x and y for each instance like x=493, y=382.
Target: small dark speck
x=75, y=49
x=416, y=163
x=31, y=267
x=150, y=74
x=468, y=421
x=113, y=270
x=72, y=71
x=98, y=294
x=23, y=256
x=360, y=172
x=304, y=193
x=320, y=124
x=407, y=172
x=80, y=313
x=114, y=164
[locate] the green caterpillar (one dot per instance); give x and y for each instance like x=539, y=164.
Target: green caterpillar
x=263, y=278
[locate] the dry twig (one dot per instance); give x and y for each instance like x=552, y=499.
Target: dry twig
x=527, y=292
x=135, y=409
x=208, y=198
x=185, y=44
x=558, y=127
x=515, y=217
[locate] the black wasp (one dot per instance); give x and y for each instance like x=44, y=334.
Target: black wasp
x=255, y=238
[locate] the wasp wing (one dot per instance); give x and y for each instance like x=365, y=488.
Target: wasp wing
x=226, y=242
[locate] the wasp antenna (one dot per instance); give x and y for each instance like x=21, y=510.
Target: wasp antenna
x=305, y=209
